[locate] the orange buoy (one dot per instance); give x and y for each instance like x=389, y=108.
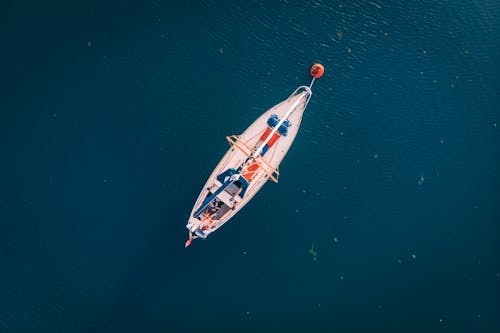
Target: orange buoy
x=317, y=70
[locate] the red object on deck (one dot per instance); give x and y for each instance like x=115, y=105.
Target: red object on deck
x=251, y=171
x=273, y=139
x=266, y=133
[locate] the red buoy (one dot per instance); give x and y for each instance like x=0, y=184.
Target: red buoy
x=317, y=70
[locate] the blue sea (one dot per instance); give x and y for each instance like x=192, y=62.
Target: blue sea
x=114, y=113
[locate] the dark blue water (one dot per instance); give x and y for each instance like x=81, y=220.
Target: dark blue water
x=113, y=114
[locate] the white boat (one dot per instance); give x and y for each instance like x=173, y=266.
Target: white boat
x=253, y=159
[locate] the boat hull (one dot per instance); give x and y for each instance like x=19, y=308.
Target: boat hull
x=292, y=109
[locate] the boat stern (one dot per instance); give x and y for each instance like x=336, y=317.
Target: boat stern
x=195, y=227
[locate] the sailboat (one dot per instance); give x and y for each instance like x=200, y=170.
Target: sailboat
x=252, y=159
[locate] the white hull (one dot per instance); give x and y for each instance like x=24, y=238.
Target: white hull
x=203, y=221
